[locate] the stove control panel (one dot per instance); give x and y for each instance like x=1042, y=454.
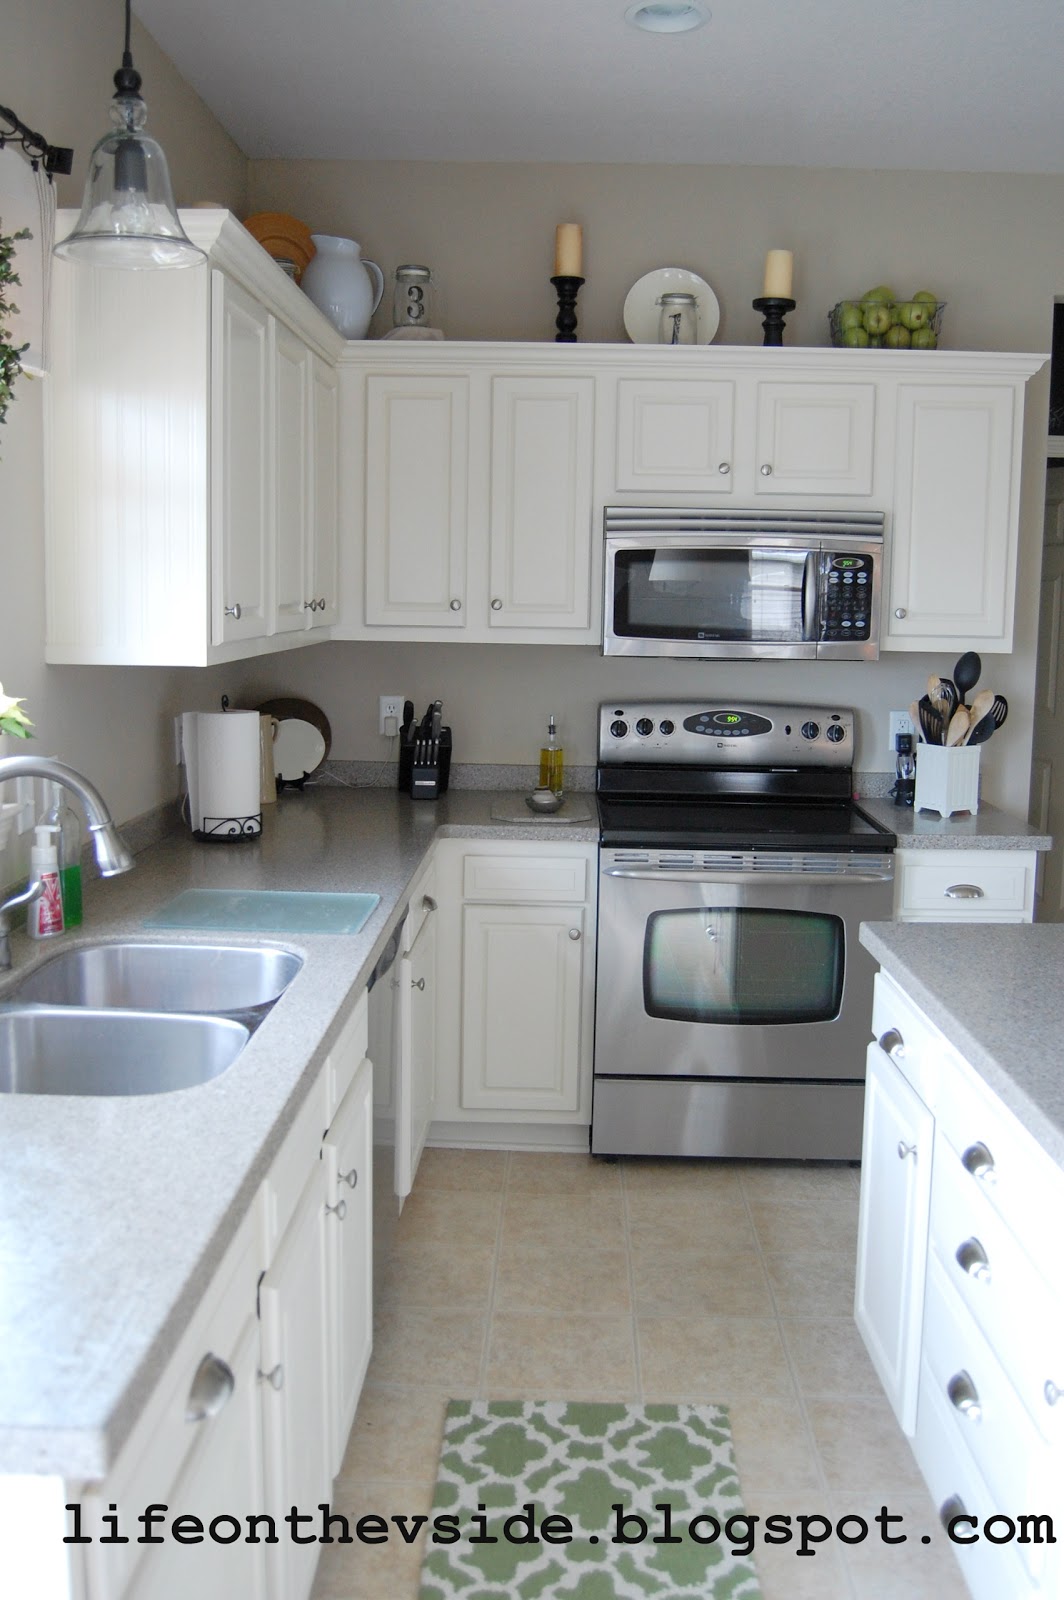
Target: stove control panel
x=692, y=733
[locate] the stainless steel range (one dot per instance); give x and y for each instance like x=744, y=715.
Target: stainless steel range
x=733, y=999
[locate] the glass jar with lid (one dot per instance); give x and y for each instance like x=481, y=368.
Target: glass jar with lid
x=412, y=305
x=678, y=323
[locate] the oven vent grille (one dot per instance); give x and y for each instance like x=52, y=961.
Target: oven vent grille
x=841, y=864
x=810, y=524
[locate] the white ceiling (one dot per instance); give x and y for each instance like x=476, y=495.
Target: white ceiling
x=948, y=85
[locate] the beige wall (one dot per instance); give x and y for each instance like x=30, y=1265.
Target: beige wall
x=992, y=247
x=57, y=58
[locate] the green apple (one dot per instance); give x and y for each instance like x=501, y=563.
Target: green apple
x=897, y=337
x=876, y=318
x=856, y=337
x=880, y=294
x=913, y=314
x=924, y=339
x=925, y=294
x=849, y=315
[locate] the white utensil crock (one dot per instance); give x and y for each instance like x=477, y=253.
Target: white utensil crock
x=342, y=285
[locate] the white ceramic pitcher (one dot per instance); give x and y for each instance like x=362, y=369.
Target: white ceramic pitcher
x=342, y=285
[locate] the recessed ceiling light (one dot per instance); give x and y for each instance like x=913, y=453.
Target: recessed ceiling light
x=667, y=16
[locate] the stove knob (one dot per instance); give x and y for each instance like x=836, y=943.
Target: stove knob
x=618, y=729
x=644, y=726
x=810, y=730
x=666, y=727
x=836, y=734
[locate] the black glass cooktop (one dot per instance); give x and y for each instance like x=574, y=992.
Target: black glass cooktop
x=739, y=825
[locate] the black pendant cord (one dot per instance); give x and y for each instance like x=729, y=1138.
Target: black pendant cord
x=54, y=158
x=127, y=79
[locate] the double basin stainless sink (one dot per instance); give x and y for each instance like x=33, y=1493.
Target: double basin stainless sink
x=135, y=1018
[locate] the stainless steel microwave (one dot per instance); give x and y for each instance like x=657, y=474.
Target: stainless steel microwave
x=742, y=584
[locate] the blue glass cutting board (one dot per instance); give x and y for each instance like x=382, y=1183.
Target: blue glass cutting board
x=266, y=911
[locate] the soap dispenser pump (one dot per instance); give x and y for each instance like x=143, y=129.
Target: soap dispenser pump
x=45, y=915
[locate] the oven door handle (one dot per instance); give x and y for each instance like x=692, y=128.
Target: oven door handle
x=699, y=875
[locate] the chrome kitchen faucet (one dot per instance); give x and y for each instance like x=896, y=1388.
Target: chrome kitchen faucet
x=112, y=854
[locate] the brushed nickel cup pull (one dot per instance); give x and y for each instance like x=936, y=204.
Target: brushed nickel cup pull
x=905, y=1149
x=892, y=1043
x=964, y=1396
x=972, y=1259
x=350, y=1178
x=233, y=611
x=212, y=1385
x=980, y=1163
x=963, y=891
x=428, y=903
x=275, y=1376
x=456, y=605
x=339, y=1210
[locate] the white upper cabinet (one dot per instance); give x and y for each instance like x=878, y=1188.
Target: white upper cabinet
x=815, y=438
x=191, y=459
x=675, y=433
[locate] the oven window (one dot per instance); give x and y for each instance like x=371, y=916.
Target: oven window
x=743, y=965
x=742, y=595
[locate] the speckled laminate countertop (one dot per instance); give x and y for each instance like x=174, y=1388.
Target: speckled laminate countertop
x=989, y=829
x=115, y=1212
x=994, y=990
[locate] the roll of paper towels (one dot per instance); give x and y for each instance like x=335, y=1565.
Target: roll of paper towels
x=222, y=765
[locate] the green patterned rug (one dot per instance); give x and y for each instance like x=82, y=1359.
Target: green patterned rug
x=563, y=1500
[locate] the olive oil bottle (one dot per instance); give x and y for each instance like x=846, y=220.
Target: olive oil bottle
x=551, y=761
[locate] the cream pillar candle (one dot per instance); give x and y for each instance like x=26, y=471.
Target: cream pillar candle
x=779, y=275
x=568, y=250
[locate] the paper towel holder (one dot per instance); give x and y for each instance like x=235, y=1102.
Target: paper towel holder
x=221, y=751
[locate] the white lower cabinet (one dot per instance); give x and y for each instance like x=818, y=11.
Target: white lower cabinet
x=960, y=1298
x=516, y=976
x=415, y=1086
x=964, y=885
x=347, y=1153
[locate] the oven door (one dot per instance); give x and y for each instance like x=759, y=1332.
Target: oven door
x=748, y=974
x=689, y=596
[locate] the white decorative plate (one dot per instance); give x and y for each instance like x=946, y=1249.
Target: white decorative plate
x=642, y=312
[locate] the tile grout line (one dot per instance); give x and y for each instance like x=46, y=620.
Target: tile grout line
x=489, y=1314
x=637, y=1357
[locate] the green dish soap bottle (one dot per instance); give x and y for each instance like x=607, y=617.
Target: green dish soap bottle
x=67, y=835
x=552, y=761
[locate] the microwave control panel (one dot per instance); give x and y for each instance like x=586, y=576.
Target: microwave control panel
x=846, y=587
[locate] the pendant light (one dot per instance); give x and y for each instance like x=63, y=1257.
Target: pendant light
x=128, y=217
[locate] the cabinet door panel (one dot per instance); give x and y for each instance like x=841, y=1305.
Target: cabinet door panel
x=896, y=1159
x=675, y=435
x=347, y=1153
x=954, y=535
x=541, y=458
x=815, y=438
x=323, y=554
x=417, y=499
x=521, y=1012
x=290, y=465
x=241, y=467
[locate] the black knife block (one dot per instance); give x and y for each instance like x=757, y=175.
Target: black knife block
x=428, y=778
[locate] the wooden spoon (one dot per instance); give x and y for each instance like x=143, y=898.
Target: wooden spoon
x=979, y=707
x=960, y=722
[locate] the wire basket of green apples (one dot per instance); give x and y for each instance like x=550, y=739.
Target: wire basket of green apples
x=880, y=320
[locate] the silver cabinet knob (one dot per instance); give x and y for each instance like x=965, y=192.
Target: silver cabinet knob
x=574, y=933
x=980, y=1163
x=418, y=983
x=428, y=904
x=905, y=1149
x=233, y=611
x=321, y=603
x=965, y=1396
x=963, y=891
x=350, y=1178
x=275, y=1376
x=456, y=605
x=950, y=1510
x=900, y=612
x=339, y=1210
x=496, y=605
x=766, y=471
x=212, y=1385
x=1053, y=1392
x=892, y=1043
x=724, y=468
x=973, y=1259
x=310, y=605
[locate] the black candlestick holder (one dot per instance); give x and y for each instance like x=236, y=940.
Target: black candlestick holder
x=775, y=309
x=565, y=322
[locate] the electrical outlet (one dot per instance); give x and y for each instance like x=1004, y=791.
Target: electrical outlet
x=391, y=709
x=900, y=722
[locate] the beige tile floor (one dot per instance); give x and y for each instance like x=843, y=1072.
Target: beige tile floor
x=556, y=1276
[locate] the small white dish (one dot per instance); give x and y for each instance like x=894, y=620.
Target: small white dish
x=642, y=313
x=544, y=800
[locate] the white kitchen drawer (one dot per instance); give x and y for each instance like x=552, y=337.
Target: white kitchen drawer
x=964, y=885
x=999, y=1158
x=914, y=1045
x=988, y=1418
x=525, y=879
x=348, y=1053
x=1006, y=1295
x=147, y=1470
x=992, y=1571
x=301, y=1149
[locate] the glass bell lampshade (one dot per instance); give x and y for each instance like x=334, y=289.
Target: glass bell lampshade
x=128, y=217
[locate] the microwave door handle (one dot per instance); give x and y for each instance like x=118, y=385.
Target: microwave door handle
x=810, y=595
